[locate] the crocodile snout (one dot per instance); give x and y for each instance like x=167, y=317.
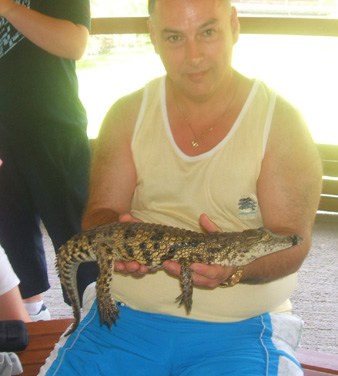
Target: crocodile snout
x=296, y=239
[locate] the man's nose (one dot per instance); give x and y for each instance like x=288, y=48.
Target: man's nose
x=194, y=54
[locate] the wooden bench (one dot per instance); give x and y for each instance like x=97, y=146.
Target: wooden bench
x=44, y=334
x=318, y=364
x=329, y=196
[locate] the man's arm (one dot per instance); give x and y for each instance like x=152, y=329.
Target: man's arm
x=289, y=189
x=58, y=37
x=113, y=175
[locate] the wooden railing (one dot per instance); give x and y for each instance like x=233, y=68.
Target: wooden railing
x=249, y=25
x=329, y=196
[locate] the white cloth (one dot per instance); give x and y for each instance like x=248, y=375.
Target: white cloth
x=8, y=278
x=10, y=364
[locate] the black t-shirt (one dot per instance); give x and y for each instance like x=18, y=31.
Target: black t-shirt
x=38, y=89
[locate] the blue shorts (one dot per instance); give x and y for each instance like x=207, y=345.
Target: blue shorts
x=146, y=344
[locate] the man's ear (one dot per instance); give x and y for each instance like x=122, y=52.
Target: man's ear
x=152, y=34
x=235, y=25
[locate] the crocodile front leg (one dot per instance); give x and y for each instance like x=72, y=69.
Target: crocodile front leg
x=185, y=297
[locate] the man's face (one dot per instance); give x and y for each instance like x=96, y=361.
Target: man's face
x=194, y=39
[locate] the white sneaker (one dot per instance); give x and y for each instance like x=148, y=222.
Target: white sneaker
x=42, y=315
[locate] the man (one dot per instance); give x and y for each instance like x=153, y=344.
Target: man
x=203, y=148
x=43, y=141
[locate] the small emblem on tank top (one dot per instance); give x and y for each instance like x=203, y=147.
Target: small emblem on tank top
x=247, y=207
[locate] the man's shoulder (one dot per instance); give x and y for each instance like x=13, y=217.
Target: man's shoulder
x=286, y=112
x=133, y=100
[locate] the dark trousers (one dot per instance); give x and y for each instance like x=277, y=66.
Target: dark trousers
x=44, y=177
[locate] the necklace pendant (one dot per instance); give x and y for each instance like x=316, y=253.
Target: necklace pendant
x=195, y=144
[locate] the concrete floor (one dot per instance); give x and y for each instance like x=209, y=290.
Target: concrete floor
x=315, y=300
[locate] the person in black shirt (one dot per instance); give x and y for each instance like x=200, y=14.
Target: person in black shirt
x=43, y=140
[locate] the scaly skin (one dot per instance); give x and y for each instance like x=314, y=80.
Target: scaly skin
x=151, y=245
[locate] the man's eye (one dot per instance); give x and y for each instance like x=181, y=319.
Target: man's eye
x=209, y=32
x=174, y=38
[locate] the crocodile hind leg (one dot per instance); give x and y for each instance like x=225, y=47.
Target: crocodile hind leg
x=185, y=297
x=67, y=273
x=106, y=304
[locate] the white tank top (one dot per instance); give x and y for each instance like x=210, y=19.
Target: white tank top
x=174, y=189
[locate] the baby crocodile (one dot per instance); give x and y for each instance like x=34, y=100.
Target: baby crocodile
x=151, y=245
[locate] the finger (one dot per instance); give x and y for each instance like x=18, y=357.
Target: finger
x=127, y=217
x=208, y=271
x=119, y=267
x=201, y=281
x=130, y=267
x=172, y=268
x=207, y=224
x=208, y=275
x=135, y=267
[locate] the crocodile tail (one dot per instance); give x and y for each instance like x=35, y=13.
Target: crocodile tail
x=70, y=256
